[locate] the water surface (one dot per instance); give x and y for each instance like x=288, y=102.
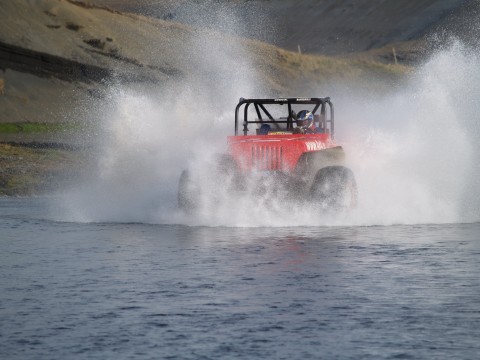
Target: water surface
x=114, y=290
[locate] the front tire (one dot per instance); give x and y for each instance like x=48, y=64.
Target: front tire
x=334, y=188
x=206, y=187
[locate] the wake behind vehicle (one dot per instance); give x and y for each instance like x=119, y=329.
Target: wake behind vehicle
x=286, y=149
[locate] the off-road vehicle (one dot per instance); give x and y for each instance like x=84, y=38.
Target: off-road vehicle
x=275, y=155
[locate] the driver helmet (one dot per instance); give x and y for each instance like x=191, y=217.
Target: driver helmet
x=305, y=120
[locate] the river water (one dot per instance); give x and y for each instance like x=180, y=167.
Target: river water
x=131, y=290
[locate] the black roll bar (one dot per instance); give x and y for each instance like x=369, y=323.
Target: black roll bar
x=259, y=108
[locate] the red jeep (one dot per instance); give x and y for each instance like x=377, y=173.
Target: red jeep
x=299, y=163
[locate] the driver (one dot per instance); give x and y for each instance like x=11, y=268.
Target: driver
x=305, y=123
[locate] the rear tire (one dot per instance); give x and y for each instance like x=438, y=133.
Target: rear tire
x=334, y=188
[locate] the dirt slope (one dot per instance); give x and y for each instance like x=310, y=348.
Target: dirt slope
x=322, y=27
x=57, y=55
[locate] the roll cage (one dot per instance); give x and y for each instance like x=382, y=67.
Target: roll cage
x=321, y=108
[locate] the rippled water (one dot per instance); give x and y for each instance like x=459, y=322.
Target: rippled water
x=73, y=290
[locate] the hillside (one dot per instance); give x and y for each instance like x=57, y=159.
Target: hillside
x=58, y=54
x=318, y=27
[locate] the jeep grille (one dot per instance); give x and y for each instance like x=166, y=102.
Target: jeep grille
x=266, y=157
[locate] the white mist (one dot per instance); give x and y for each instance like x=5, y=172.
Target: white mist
x=414, y=151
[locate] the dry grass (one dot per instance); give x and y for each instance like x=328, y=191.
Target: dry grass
x=31, y=171
x=285, y=70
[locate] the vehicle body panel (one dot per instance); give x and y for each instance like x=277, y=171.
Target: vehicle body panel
x=276, y=152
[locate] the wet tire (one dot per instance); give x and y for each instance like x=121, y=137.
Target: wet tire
x=188, y=193
x=228, y=175
x=206, y=187
x=334, y=188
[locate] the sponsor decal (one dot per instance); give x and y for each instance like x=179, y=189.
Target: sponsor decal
x=303, y=99
x=279, y=133
x=315, y=145
x=280, y=99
